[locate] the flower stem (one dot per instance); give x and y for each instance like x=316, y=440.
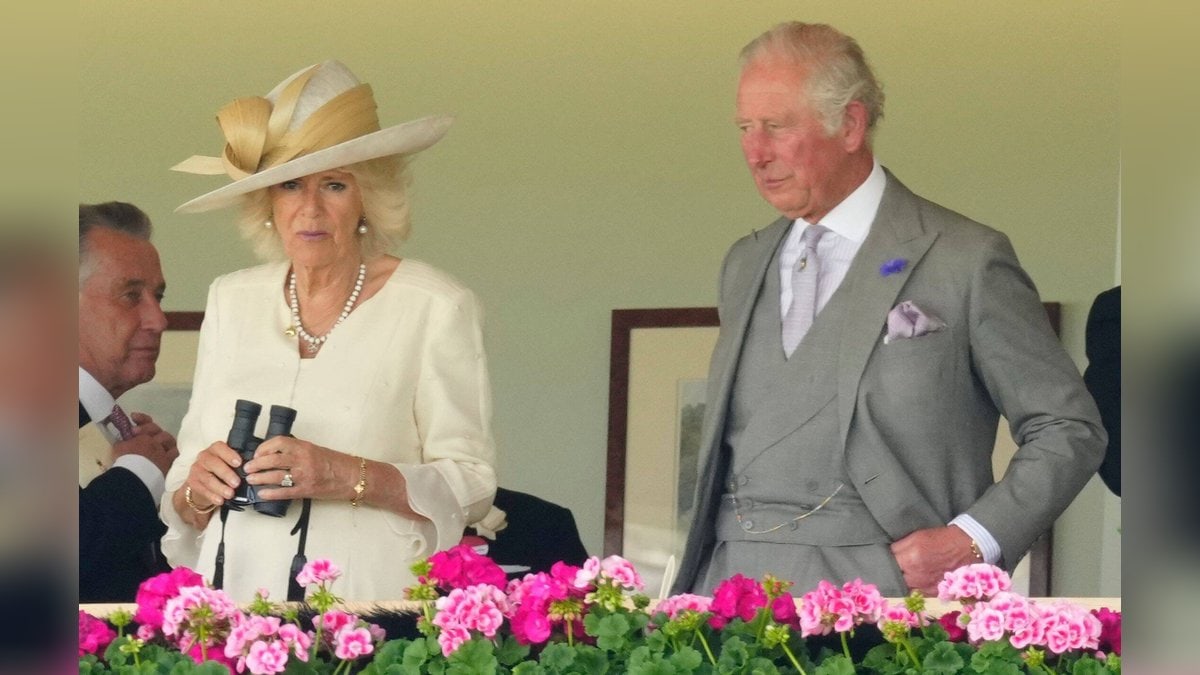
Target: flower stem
x=707, y=650
x=911, y=653
x=792, y=657
x=570, y=633
x=846, y=647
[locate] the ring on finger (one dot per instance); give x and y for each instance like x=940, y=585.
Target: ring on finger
x=287, y=481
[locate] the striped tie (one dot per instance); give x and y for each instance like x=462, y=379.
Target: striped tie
x=805, y=275
x=121, y=421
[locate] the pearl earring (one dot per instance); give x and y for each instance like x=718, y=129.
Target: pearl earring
x=362, y=225
x=268, y=224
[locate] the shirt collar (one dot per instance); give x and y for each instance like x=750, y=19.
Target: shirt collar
x=852, y=217
x=94, y=398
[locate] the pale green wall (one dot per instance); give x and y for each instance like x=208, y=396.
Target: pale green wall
x=594, y=165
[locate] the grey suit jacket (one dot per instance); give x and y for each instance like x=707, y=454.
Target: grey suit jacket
x=918, y=417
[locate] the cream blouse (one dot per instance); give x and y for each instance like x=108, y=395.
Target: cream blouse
x=402, y=380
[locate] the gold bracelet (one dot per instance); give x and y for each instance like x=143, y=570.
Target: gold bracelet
x=975, y=550
x=361, y=487
x=187, y=497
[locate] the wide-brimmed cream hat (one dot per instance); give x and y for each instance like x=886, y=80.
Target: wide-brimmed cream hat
x=318, y=119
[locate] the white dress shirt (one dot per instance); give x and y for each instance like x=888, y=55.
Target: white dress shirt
x=848, y=224
x=98, y=403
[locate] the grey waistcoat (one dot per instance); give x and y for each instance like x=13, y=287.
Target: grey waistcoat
x=770, y=486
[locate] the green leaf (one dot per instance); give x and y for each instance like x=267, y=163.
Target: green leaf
x=510, y=652
x=416, y=653
x=591, y=661
x=612, y=632
x=1087, y=666
x=529, y=668
x=557, y=657
x=763, y=666
x=734, y=656
x=474, y=657
x=644, y=662
x=943, y=659
x=883, y=660
x=687, y=659
x=835, y=665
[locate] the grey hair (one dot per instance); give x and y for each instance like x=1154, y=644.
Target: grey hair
x=838, y=68
x=117, y=216
x=383, y=183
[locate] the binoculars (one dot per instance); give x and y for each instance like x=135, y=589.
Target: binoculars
x=245, y=443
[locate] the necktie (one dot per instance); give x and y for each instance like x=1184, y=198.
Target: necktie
x=121, y=421
x=805, y=275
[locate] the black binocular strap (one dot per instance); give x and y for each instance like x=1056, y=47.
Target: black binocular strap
x=295, y=590
x=218, y=579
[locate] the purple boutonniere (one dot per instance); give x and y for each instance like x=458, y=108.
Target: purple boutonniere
x=893, y=266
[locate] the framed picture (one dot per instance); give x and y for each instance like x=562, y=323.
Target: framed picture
x=657, y=379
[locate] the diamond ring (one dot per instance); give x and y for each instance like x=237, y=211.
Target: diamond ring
x=287, y=480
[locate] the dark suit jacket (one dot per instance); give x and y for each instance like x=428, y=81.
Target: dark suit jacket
x=1103, y=377
x=539, y=533
x=119, y=531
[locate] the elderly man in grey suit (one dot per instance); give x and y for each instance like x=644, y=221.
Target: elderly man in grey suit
x=869, y=341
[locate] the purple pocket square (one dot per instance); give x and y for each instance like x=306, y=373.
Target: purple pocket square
x=906, y=320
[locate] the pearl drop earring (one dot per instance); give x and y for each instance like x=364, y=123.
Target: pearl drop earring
x=268, y=224
x=362, y=225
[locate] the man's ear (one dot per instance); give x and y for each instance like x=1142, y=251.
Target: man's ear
x=854, y=127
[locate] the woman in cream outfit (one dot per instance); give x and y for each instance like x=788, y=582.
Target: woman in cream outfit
x=381, y=357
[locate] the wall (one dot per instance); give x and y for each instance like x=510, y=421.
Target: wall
x=594, y=165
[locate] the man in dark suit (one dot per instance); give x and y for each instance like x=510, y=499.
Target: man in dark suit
x=1103, y=377
x=535, y=533
x=869, y=340
x=123, y=459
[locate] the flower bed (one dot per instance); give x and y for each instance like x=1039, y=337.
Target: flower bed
x=593, y=619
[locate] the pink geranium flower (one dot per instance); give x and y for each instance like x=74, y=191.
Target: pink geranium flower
x=828, y=608
x=153, y=593
x=736, y=597
x=1069, y=627
x=351, y=643
x=675, y=604
x=265, y=658
x=94, y=634
x=317, y=572
x=461, y=566
x=474, y=608
x=973, y=582
x=622, y=571
x=532, y=603
x=950, y=622
x=1110, y=630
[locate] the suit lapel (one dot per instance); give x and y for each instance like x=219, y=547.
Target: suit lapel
x=896, y=234
x=742, y=293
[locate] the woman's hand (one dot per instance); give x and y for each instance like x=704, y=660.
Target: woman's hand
x=211, y=479
x=316, y=472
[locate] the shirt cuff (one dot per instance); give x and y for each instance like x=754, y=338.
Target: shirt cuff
x=146, y=472
x=984, y=539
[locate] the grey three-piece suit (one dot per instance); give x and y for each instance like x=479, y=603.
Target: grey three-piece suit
x=906, y=429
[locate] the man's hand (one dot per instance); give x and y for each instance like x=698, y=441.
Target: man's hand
x=924, y=556
x=150, y=441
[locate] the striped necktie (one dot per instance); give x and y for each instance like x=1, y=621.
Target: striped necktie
x=121, y=421
x=805, y=277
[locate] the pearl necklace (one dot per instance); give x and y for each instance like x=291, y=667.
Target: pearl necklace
x=314, y=342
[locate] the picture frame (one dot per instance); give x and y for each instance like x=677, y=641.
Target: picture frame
x=659, y=360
